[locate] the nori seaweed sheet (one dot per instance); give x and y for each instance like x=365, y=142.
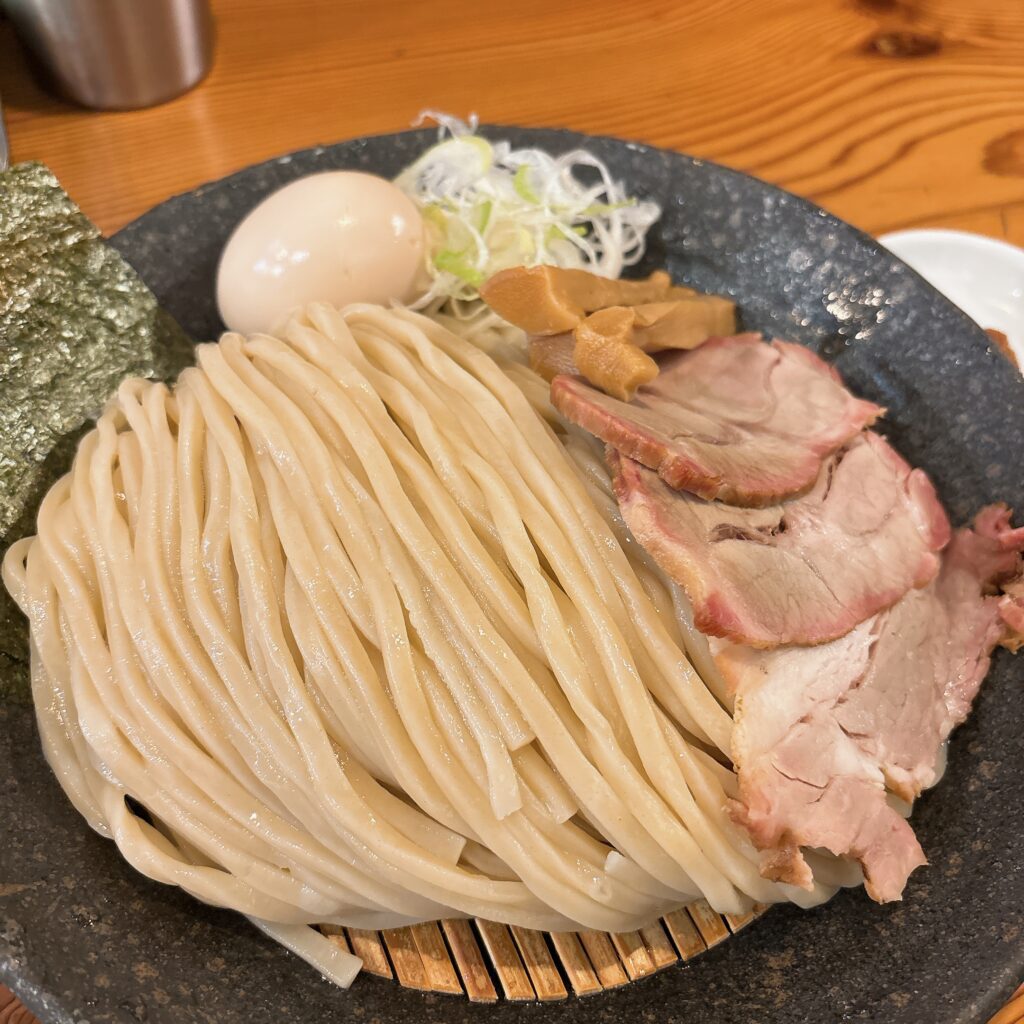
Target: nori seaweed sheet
x=75, y=320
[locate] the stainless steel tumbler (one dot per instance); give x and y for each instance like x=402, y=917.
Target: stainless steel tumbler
x=117, y=54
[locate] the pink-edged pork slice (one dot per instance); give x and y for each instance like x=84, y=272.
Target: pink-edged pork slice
x=822, y=733
x=802, y=572
x=736, y=419
x=1011, y=611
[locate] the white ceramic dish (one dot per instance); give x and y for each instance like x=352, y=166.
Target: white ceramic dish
x=984, y=277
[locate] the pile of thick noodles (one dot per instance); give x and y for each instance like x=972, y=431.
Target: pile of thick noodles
x=358, y=626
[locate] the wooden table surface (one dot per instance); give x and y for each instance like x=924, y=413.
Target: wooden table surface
x=891, y=113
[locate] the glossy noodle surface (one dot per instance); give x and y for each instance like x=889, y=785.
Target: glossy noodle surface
x=364, y=640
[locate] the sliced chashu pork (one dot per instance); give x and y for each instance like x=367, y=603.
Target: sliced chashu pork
x=802, y=572
x=822, y=732
x=1011, y=610
x=736, y=419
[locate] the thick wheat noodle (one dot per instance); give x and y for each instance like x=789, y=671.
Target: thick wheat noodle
x=413, y=597
x=355, y=652
x=748, y=873
x=184, y=753
x=365, y=882
x=386, y=388
x=198, y=674
x=395, y=570
x=575, y=671
x=508, y=720
x=543, y=720
x=743, y=869
x=431, y=873
x=537, y=446
x=496, y=452
x=669, y=675
x=352, y=615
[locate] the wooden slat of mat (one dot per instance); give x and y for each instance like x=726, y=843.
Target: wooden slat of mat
x=684, y=934
x=437, y=963
x=406, y=957
x=633, y=954
x=470, y=961
x=336, y=934
x=575, y=963
x=712, y=928
x=659, y=946
x=367, y=946
x=543, y=971
x=512, y=976
x=736, y=922
x=607, y=964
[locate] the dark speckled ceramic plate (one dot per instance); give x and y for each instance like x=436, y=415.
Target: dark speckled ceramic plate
x=84, y=938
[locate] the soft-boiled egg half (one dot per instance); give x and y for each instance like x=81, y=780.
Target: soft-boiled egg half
x=338, y=237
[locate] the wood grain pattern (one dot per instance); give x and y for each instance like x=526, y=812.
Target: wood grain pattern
x=659, y=946
x=710, y=925
x=368, y=947
x=440, y=971
x=633, y=953
x=336, y=934
x=470, y=961
x=512, y=976
x=736, y=922
x=684, y=934
x=541, y=966
x=11, y=1010
x=405, y=956
x=607, y=965
x=577, y=966
x=892, y=113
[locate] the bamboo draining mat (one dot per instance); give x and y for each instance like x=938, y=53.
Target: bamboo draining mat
x=463, y=957
x=487, y=961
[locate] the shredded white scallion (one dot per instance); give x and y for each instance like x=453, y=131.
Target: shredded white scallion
x=488, y=206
